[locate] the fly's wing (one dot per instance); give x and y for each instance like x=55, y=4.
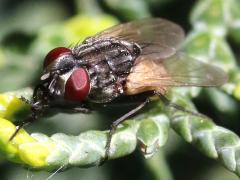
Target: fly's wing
x=177, y=70
x=153, y=35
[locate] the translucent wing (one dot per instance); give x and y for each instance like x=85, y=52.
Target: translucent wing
x=177, y=70
x=154, y=35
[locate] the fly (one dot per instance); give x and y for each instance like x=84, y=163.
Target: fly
x=125, y=60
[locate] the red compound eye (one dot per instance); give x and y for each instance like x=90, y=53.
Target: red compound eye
x=54, y=54
x=77, y=86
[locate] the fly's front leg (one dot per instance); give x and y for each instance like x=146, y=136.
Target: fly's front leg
x=24, y=123
x=115, y=125
x=25, y=100
x=37, y=108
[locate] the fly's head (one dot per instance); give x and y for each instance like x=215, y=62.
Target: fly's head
x=63, y=80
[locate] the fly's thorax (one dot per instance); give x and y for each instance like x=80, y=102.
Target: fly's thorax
x=96, y=50
x=108, y=62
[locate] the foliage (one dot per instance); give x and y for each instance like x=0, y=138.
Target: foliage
x=212, y=22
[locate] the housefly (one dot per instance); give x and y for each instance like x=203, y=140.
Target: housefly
x=125, y=60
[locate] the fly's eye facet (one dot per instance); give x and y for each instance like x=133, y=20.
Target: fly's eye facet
x=78, y=85
x=54, y=54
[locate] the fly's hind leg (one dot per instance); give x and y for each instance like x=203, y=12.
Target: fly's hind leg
x=115, y=125
x=168, y=103
x=135, y=110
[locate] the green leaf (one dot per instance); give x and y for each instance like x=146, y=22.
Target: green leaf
x=134, y=9
x=210, y=13
x=212, y=140
x=152, y=134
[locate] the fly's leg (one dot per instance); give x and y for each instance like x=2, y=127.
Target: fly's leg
x=40, y=99
x=25, y=100
x=29, y=120
x=36, y=109
x=24, y=123
x=116, y=123
x=167, y=102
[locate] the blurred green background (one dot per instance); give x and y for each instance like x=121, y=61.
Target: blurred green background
x=30, y=28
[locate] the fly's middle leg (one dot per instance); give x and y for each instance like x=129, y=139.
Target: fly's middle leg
x=115, y=125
